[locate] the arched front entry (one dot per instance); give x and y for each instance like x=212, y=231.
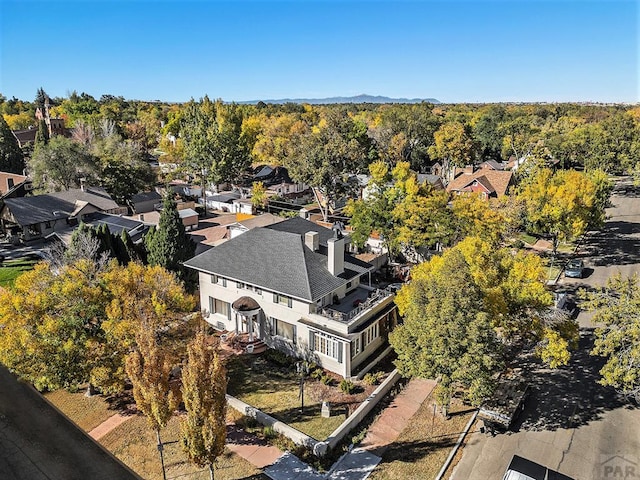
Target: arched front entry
x=248, y=317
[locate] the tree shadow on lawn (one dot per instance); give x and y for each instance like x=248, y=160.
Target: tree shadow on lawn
x=411, y=452
x=567, y=397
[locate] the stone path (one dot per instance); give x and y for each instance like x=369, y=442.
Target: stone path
x=254, y=450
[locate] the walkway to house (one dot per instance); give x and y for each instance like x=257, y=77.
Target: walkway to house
x=108, y=425
x=360, y=462
x=354, y=465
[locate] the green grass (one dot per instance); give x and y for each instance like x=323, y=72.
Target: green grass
x=423, y=446
x=551, y=271
x=526, y=238
x=276, y=392
x=12, y=269
x=134, y=442
x=86, y=412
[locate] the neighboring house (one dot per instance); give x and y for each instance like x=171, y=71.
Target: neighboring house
x=277, y=180
x=293, y=286
x=230, y=202
x=26, y=136
x=238, y=228
x=486, y=182
x=115, y=223
x=492, y=165
x=144, y=202
x=33, y=218
x=13, y=185
x=434, y=180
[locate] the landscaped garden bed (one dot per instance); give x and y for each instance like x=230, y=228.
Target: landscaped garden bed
x=271, y=383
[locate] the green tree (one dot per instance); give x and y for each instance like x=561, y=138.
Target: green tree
x=204, y=387
x=149, y=370
x=617, y=309
x=61, y=164
x=11, y=158
x=42, y=135
x=123, y=171
x=446, y=334
x=169, y=245
x=213, y=145
x=374, y=214
x=325, y=158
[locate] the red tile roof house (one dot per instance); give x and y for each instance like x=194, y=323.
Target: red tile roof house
x=488, y=183
x=293, y=286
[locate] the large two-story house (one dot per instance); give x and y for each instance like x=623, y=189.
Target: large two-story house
x=294, y=286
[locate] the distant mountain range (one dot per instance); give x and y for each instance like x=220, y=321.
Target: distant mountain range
x=357, y=99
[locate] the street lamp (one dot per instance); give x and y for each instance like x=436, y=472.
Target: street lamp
x=303, y=371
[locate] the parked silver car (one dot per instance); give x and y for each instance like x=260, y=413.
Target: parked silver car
x=574, y=268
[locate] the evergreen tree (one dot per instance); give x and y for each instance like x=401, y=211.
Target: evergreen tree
x=41, y=99
x=204, y=385
x=11, y=157
x=42, y=135
x=168, y=245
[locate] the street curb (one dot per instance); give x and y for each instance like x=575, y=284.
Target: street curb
x=455, y=448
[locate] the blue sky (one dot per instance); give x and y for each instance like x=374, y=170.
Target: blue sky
x=455, y=51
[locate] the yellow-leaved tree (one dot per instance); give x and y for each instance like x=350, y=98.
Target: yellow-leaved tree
x=204, y=388
x=67, y=326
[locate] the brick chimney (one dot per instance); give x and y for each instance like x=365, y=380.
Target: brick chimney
x=335, y=256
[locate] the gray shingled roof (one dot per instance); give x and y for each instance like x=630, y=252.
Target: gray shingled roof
x=278, y=260
x=146, y=196
x=53, y=206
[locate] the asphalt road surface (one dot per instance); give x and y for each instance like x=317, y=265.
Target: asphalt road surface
x=572, y=424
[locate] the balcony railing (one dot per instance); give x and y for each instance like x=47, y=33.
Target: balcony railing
x=376, y=297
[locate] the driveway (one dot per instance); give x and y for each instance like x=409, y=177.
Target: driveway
x=571, y=423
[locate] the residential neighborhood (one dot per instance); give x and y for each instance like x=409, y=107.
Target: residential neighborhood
x=218, y=260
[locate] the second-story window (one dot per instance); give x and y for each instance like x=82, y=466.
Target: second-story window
x=282, y=300
x=240, y=285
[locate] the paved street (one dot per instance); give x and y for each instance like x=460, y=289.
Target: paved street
x=571, y=424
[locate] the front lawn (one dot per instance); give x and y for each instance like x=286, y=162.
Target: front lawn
x=134, y=442
x=11, y=269
x=86, y=412
x=275, y=389
x=423, y=446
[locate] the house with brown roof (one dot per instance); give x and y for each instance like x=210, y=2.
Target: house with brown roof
x=486, y=182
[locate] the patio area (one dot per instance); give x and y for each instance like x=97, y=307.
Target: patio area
x=355, y=302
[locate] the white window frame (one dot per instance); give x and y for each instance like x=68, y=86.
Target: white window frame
x=370, y=334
